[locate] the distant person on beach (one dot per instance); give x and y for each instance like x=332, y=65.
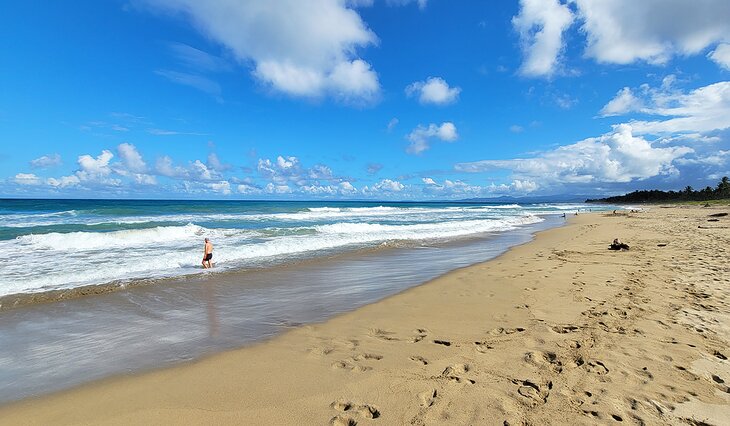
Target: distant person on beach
x=207, y=254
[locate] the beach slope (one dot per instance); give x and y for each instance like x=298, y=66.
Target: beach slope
x=557, y=331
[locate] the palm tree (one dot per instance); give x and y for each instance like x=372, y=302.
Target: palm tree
x=723, y=187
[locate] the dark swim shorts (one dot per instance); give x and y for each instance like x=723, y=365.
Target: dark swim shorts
x=208, y=257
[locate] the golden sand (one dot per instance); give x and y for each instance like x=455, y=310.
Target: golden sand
x=557, y=331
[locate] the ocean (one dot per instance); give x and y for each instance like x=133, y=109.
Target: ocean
x=277, y=265
x=63, y=244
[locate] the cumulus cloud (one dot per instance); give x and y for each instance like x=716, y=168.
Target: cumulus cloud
x=46, y=161
x=222, y=187
x=64, y=181
x=721, y=55
x=306, y=49
x=517, y=186
x=624, y=102
x=94, y=167
x=540, y=24
x=699, y=111
x=384, y=186
x=435, y=90
x=131, y=158
x=27, y=179
x=420, y=136
x=624, y=31
x=277, y=189
x=451, y=188
x=214, y=163
x=618, y=156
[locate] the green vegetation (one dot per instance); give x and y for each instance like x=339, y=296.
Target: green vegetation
x=719, y=194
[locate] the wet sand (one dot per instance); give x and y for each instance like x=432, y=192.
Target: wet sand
x=556, y=331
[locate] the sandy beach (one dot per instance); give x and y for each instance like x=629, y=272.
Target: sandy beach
x=556, y=331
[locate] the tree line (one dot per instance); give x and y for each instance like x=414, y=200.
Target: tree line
x=719, y=192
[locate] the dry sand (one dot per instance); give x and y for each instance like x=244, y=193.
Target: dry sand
x=557, y=331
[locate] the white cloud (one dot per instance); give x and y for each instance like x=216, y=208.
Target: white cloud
x=718, y=158
x=521, y=186
x=421, y=135
x=699, y=111
x=515, y=128
x=385, y=185
x=46, y=161
x=299, y=48
x=223, y=187
x=277, y=189
x=624, y=31
x=347, y=188
x=451, y=188
x=64, y=181
x=131, y=158
x=624, y=102
x=248, y=189
x=541, y=24
x=435, y=90
x=166, y=167
x=144, y=179
x=199, y=171
x=618, y=156
x=27, y=179
x=721, y=55
x=94, y=168
x=214, y=163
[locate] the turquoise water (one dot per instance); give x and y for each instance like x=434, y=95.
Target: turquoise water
x=63, y=244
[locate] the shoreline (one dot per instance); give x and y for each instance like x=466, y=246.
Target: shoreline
x=552, y=330
x=21, y=300
x=184, y=320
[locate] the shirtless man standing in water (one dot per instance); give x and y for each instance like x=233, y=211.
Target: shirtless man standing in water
x=207, y=254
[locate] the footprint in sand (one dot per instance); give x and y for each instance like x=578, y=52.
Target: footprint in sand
x=361, y=357
x=547, y=360
x=456, y=373
x=363, y=410
x=342, y=421
x=346, y=365
x=483, y=347
x=565, y=329
x=428, y=398
x=596, y=367
x=419, y=359
x=383, y=334
x=420, y=334
x=533, y=391
x=499, y=331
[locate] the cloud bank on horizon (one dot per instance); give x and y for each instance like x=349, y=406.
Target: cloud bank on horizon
x=368, y=99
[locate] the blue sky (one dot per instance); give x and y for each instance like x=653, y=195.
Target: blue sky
x=362, y=99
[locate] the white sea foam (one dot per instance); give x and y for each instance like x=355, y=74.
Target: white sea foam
x=82, y=241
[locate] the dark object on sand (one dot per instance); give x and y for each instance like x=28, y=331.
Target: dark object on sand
x=713, y=220
x=618, y=245
x=662, y=245
x=718, y=214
